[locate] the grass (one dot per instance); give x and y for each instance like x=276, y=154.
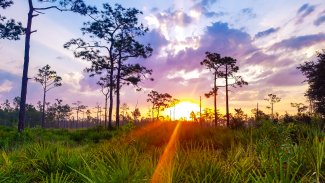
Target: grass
x=269, y=153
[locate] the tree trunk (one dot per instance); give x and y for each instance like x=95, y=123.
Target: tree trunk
x=105, y=114
x=43, y=108
x=21, y=123
x=227, y=99
x=77, y=116
x=215, y=100
x=158, y=113
x=111, y=90
x=152, y=112
x=118, y=78
x=174, y=112
x=272, y=111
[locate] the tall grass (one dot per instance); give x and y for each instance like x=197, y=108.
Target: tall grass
x=268, y=153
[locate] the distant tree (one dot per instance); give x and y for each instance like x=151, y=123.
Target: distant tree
x=124, y=110
x=260, y=114
x=159, y=101
x=79, y=108
x=16, y=102
x=193, y=116
x=58, y=111
x=49, y=80
x=104, y=83
x=136, y=114
x=9, y=29
x=314, y=71
x=300, y=107
x=77, y=6
x=272, y=99
x=208, y=114
x=6, y=106
x=173, y=103
x=88, y=114
x=238, y=119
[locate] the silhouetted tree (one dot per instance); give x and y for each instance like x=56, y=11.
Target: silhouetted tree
x=115, y=30
x=124, y=109
x=193, y=116
x=79, y=108
x=159, y=101
x=136, y=114
x=6, y=106
x=49, y=80
x=88, y=114
x=77, y=6
x=63, y=110
x=104, y=83
x=228, y=71
x=173, y=103
x=222, y=67
x=314, y=71
x=300, y=107
x=58, y=111
x=238, y=119
x=272, y=99
x=208, y=114
x=260, y=114
x=9, y=29
x=213, y=63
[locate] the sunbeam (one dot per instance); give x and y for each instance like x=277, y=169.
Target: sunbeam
x=164, y=164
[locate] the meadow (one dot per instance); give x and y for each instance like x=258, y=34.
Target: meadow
x=165, y=152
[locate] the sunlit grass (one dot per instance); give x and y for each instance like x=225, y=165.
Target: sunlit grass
x=269, y=153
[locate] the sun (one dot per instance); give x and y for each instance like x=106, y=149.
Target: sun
x=182, y=110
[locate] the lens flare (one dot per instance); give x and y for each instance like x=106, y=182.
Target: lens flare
x=165, y=162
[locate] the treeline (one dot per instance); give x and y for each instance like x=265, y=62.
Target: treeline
x=61, y=115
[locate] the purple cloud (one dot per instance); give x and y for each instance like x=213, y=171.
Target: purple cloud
x=304, y=11
x=218, y=37
x=267, y=32
x=248, y=12
x=296, y=43
x=175, y=16
x=202, y=6
x=287, y=77
x=319, y=20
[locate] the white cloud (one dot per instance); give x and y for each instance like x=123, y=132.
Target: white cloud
x=6, y=86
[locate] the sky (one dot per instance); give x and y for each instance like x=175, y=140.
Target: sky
x=269, y=39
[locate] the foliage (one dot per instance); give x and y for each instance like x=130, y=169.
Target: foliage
x=10, y=29
x=79, y=108
x=9, y=112
x=58, y=111
x=136, y=114
x=300, y=107
x=222, y=67
x=314, y=71
x=272, y=99
x=159, y=101
x=238, y=119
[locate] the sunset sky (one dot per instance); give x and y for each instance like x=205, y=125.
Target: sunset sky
x=268, y=38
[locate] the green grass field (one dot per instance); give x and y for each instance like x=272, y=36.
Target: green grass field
x=164, y=152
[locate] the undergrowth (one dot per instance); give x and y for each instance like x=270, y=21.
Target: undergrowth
x=268, y=153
